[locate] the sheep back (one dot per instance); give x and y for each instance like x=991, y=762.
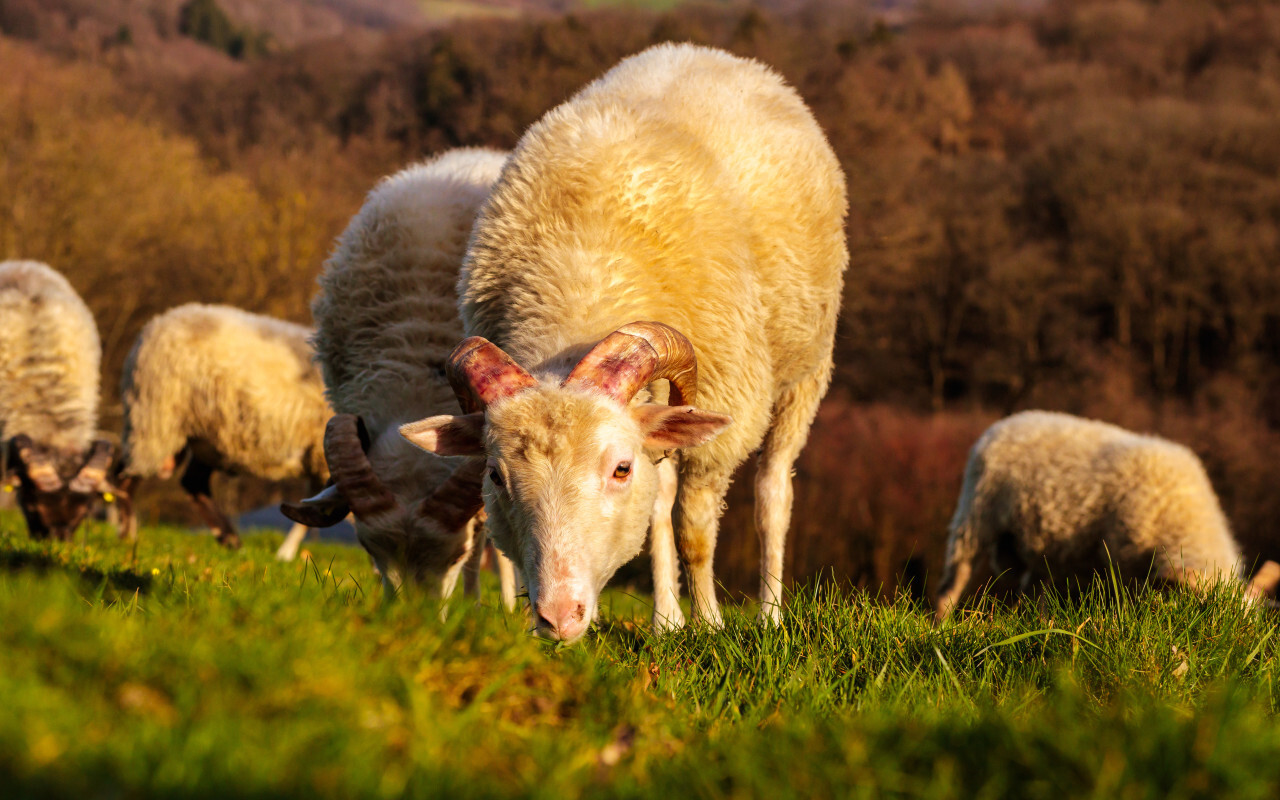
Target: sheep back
x=386, y=314
x=685, y=186
x=50, y=358
x=1076, y=492
x=239, y=384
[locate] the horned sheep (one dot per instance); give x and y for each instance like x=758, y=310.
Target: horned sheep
x=230, y=391
x=49, y=362
x=1052, y=496
x=682, y=214
x=386, y=319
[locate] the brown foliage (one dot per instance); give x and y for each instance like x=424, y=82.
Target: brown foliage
x=1073, y=206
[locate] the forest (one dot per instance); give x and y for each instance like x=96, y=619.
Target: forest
x=1071, y=205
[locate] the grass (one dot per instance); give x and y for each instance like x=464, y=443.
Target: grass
x=191, y=671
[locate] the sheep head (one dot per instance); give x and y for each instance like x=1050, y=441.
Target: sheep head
x=57, y=490
x=424, y=540
x=570, y=476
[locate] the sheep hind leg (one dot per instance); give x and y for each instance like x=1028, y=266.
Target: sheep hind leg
x=792, y=418
x=667, y=615
x=196, y=481
x=292, y=542
x=127, y=515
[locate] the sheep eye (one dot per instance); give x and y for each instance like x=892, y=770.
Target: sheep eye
x=621, y=471
x=495, y=476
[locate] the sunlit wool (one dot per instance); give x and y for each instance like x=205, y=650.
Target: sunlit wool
x=387, y=319
x=1049, y=495
x=688, y=187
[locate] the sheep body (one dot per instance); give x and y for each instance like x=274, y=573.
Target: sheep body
x=49, y=359
x=387, y=320
x=242, y=385
x=688, y=187
x=1050, y=495
x=236, y=391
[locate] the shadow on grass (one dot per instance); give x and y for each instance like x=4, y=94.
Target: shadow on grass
x=121, y=580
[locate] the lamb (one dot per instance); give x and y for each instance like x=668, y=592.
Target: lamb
x=233, y=392
x=49, y=362
x=684, y=213
x=386, y=319
x=1051, y=495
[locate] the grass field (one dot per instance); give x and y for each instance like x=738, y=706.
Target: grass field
x=193, y=672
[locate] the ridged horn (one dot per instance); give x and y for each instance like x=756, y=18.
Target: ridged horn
x=458, y=499
x=635, y=355
x=37, y=464
x=481, y=374
x=92, y=477
x=346, y=444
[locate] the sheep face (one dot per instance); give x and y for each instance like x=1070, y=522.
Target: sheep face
x=569, y=487
x=57, y=490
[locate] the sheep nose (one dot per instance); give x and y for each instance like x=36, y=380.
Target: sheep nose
x=564, y=618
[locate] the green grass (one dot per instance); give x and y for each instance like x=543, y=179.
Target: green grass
x=190, y=671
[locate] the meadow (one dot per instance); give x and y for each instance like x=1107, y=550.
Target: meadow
x=181, y=669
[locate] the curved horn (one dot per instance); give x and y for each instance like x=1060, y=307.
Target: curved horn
x=458, y=499
x=36, y=463
x=92, y=477
x=480, y=374
x=633, y=356
x=346, y=444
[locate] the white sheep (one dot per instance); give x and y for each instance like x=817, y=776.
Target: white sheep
x=49, y=362
x=1052, y=496
x=233, y=392
x=691, y=190
x=386, y=319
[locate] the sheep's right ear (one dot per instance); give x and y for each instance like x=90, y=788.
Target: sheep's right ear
x=321, y=511
x=448, y=435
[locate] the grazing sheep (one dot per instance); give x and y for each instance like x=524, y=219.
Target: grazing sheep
x=233, y=392
x=49, y=357
x=386, y=319
x=1049, y=495
x=693, y=189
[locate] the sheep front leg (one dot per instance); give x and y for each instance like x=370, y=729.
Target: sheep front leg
x=196, y=482
x=667, y=615
x=698, y=502
x=507, y=579
x=956, y=577
x=126, y=513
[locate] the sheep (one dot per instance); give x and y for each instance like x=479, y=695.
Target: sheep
x=49, y=362
x=684, y=213
x=233, y=392
x=386, y=318
x=1049, y=495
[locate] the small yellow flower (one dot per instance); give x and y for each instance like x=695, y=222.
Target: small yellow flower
x=155, y=570
x=108, y=497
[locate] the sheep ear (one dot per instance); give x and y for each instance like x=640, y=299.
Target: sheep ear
x=667, y=427
x=448, y=435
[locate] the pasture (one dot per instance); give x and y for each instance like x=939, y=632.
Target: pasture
x=187, y=670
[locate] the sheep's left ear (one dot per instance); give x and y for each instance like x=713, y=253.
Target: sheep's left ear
x=667, y=427
x=448, y=435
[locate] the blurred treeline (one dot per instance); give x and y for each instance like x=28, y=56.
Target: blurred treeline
x=1074, y=205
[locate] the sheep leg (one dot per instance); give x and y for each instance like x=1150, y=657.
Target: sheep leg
x=507, y=579
x=127, y=519
x=196, y=482
x=471, y=572
x=698, y=505
x=667, y=615
x=793, y=415
x=956, y=577
x=292, y=542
